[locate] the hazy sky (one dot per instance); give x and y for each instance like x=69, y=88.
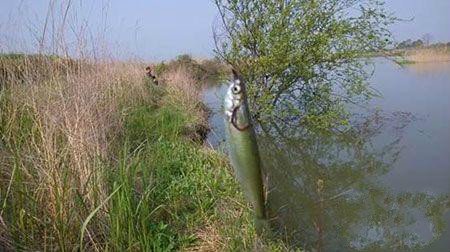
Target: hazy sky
x=161, y=29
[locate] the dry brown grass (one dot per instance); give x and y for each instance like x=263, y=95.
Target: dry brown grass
x=184, y=89
x=183, y=85
x=77, y=113
x=59, y=124
x=428, y=55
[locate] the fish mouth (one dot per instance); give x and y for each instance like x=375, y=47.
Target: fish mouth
x=233, y=120
x=235, y=100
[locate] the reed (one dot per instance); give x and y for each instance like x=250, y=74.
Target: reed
x=57, y=125
x=428, y=55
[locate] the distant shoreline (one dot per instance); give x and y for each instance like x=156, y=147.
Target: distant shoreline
x=425, y=55
x=429, y=54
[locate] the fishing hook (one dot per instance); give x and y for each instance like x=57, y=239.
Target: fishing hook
x=234, y=120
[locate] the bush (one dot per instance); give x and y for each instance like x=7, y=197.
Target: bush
x=201, y=70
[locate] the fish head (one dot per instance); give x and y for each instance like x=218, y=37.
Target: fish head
x=236, y=105
x=234, y=97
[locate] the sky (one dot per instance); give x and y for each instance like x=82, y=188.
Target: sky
x=162, y=29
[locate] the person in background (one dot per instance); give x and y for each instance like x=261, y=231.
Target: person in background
x=151, y=74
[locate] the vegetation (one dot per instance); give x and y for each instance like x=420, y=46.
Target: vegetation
x=410, y=44
x=425, y=55
x=410, y=52
x=202, y=70
x=96, y=157
x=303, y=59
x=421, y=43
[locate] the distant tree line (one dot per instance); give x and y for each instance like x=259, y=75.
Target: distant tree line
x=410, y=44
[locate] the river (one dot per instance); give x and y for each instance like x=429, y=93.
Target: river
x=383, y=186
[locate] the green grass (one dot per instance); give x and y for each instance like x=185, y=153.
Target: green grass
x=170, y=187
x=162, y=191
x=402, y=61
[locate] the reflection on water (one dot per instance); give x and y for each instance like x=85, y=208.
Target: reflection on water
x=325, y=189
x=384, y=185
x=430, y=68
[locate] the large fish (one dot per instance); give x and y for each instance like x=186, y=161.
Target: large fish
x=243, y=149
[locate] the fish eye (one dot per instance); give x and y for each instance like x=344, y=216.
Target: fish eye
x=236, y=89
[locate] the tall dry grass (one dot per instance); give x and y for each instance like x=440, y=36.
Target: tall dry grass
x=58, y=125
x=77, y=113
x=183, y=87
x=428, y=55
x=185, y=91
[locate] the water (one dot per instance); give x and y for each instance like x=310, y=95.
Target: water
x=383, y=186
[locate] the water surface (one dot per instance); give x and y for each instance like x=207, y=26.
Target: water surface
x=382, y=186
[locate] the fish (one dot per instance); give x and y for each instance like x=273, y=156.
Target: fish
x=243, y=149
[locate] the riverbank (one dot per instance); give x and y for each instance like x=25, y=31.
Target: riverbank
x=94, y=156
x=420, y=55
x=426, y=55
x=416, y=55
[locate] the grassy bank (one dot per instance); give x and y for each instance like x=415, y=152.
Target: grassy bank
x=423, y=54
x=95, y=157
x=202, y=70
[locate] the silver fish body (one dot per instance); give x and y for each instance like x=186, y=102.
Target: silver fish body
x=243, y=149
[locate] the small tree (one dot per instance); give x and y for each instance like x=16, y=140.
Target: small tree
x=302, y=59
